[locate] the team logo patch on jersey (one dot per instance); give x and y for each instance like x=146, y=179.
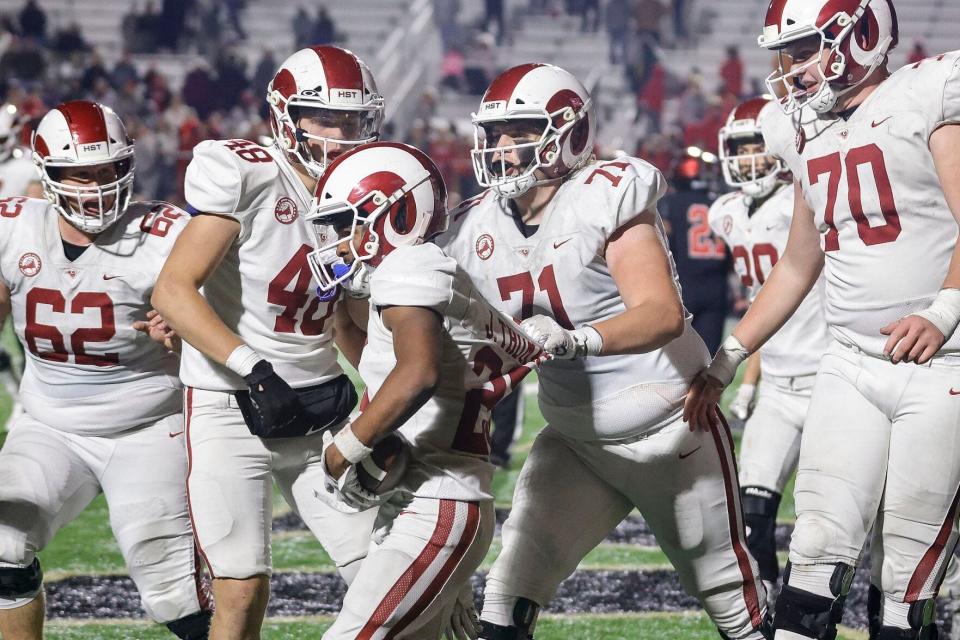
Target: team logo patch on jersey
x=30, y=264
x=286, y=210
x=485, y=246
x=727, y=224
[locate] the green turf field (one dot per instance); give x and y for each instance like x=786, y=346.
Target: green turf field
x=684, y=626
x=86, y=547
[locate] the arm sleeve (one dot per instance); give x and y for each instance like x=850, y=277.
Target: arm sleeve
x=417, y=276
x=641, y=194
x=951, y=96
x=213, y=182
x=715, y=218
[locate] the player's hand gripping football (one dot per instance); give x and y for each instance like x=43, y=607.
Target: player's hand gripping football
x=340, y=477
x=159, y=331
x=912, y=339
x=560, y=343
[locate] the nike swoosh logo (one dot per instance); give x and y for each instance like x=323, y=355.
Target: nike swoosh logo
x=174, y=435
x=954, y=393
x=557, y=245
x=689, y=453
x=876, y=124
x=106, y=277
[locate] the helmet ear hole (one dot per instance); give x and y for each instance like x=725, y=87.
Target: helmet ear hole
x=400, y=217
x=579, y=135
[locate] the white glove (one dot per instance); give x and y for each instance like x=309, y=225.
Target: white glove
x=347, y=487
x=564, y=344
x=464, y=623
x=390, y=509
x=742, y=405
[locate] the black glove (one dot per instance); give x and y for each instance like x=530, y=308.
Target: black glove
x=273, y=404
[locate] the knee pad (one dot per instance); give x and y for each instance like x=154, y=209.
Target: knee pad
x=525, y=614
x=811, y=615
x=760, y=517
x=921, y=617
x=192, y=627
x=21, y=582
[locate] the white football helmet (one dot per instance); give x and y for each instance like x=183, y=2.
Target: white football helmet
x=392, y=193
x=84, y=134
x=332, y=85
x=855, y=37
x=764, y=171
x=534, y=92
x=11, y=125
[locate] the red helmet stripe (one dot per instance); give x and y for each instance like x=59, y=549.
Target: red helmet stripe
x=775, y=13
x=440, y=186
x=285, y=83
x=833, y=7
x=85, y=120
x=750, y=110
x=40, y=146
x=341, y=68
x=502, y=88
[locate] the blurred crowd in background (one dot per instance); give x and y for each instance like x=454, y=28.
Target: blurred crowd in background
x=223, y=93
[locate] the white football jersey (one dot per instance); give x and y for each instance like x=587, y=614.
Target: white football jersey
x=16, y=174
x=884, y=223
x=263, y=289
x=484, y=356
x=87, y=370
x=561, y=271
x=756, y=243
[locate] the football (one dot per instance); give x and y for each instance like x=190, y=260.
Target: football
x=383, y=469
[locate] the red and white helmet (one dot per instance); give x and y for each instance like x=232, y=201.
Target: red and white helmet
x=336, y=83
x=84, y=134
x=855, y=38
x=11, y=124
x=393, y=191
x=533, y=92
x=743, y=127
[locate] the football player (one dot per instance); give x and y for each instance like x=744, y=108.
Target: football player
x=438, y=358
x=102, y=402
x=259, y=364
x=557, y=240
x=874, y=156
x=18, y=177
x=754, y=222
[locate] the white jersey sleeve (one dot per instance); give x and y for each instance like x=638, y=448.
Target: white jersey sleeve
x=950, y=104
x=417, y=276
x=780, y=136
x=615, y=193
x=219, y=180
x=718, y=214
